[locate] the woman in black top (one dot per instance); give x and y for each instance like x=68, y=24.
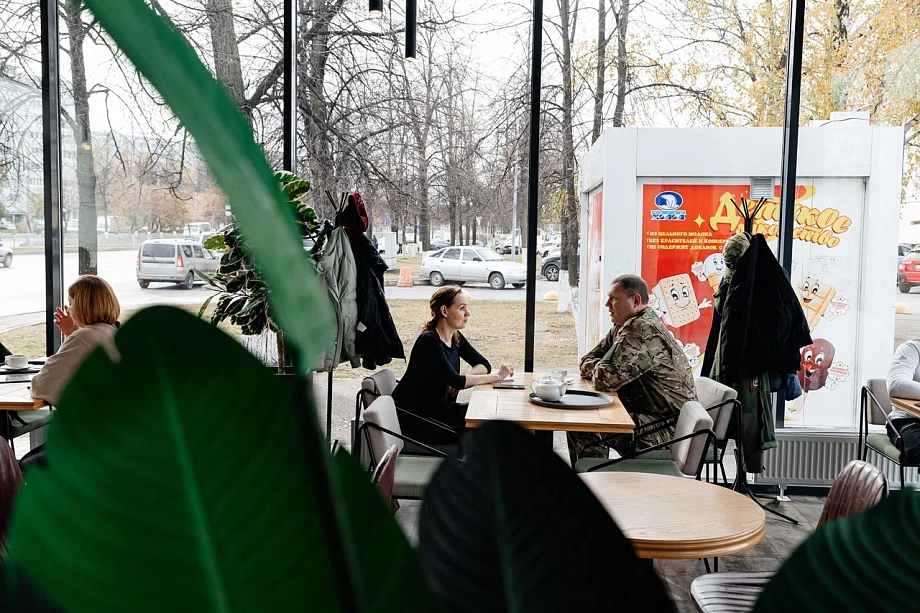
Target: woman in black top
x=432, y=380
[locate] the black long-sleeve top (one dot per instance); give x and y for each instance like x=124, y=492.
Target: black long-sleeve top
x=433, y=367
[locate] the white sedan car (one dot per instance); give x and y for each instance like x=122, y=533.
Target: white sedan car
x=6, y=256
x=473, y=264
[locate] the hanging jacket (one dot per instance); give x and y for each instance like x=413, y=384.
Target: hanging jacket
x=337, y=268
x=376, y=338
x=758, y=329
x=762, y=323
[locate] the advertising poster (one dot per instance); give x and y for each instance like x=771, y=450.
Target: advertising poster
x=597, y=293
x=684, y=227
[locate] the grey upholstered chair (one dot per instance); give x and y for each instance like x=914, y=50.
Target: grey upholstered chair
x=379, y=431
x=875, y=406
x=721, y=402
x=692, y=436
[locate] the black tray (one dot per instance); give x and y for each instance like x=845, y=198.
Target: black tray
x=575, y=399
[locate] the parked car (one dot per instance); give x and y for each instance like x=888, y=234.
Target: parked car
x=550, y=268
x=173, y=261
x=472, y=264
x=547, y=248
x=7, y=225
x=6, y=256
x=909, y=271
x=505, y=247
x=440, y=244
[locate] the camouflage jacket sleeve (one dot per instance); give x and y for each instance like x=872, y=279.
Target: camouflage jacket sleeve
x=590, y=359
x=632, y=354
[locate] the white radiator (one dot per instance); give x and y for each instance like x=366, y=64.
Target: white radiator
x=815, y=457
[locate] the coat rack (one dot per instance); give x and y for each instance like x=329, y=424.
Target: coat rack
x=741, y=484
x=745, y=211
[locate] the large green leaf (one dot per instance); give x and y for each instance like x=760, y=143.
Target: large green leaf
x=866, y=562
x=225, y=140
x=180, y=484
x=511, y=527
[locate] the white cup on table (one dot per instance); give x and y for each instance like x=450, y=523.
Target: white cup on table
x=16, y=361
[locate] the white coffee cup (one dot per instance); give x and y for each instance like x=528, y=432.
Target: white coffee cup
x=17, y=360
x=548, y=388
x=558, y=373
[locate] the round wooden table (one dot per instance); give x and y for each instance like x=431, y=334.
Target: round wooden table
x=670, y=518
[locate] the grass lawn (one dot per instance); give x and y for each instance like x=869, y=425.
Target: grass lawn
x=496, y=329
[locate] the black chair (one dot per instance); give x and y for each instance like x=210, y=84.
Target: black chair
x=17, y=423
x=875, y=405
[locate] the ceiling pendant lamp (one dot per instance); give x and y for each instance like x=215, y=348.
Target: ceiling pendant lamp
x=375, y=8
x=411, y=23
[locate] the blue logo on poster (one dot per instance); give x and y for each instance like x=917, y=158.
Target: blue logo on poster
x=669, y=201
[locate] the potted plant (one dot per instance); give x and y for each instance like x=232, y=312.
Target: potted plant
x=241, y=293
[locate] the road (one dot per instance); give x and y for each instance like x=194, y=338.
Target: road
x=22, y=287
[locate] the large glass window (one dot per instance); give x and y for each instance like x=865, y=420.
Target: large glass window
x=22, y=241
x=133, y=174
x=857, y=177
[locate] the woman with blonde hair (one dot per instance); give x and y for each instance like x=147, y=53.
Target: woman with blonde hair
x=89, y=322
x=432, y=380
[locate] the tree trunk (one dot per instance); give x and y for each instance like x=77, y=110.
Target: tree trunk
x=315, y=113
x=226, y=53
x=622, y=19
x=424, y=224
x=83, y=137
x=601, y=70
x=570, y=206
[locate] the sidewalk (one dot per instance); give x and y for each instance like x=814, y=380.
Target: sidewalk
x=11, y=322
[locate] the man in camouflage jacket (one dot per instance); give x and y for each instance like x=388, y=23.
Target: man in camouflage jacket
x=641, y=361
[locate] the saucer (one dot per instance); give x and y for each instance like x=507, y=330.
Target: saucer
x=13, y=371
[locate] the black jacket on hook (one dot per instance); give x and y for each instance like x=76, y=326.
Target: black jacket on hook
x=377, y=341
x=762, y=323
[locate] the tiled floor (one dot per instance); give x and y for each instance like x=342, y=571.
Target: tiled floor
x=780, y=540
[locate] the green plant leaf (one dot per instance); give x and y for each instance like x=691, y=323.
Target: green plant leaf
x=511, y=527
x=215, y=242
x=225, y=140
x=865, y=562
x=204, y=305
x=155, y=498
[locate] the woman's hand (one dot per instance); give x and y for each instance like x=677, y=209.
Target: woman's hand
x=505, y=372
x=64, y=321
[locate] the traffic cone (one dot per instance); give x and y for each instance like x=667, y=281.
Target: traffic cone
x=405, y=277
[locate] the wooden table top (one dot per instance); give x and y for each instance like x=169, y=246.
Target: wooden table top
x=907, y=405
x=17, y=397
x=672, y=518
x=488, y=403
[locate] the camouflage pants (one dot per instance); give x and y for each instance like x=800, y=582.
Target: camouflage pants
x=584, y=444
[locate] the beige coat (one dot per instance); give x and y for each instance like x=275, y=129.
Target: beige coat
x=55, y=375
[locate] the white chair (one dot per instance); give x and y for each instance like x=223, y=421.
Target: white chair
x=692, y=436
x=379, y=431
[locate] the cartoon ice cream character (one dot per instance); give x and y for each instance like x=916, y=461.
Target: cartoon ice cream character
x=816, y=359
x=677, y=300
x=713, y=267
x=813, y=371
x=815, y=297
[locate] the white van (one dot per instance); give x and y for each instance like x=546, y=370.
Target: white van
x=171, y=260
x=197, y=228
